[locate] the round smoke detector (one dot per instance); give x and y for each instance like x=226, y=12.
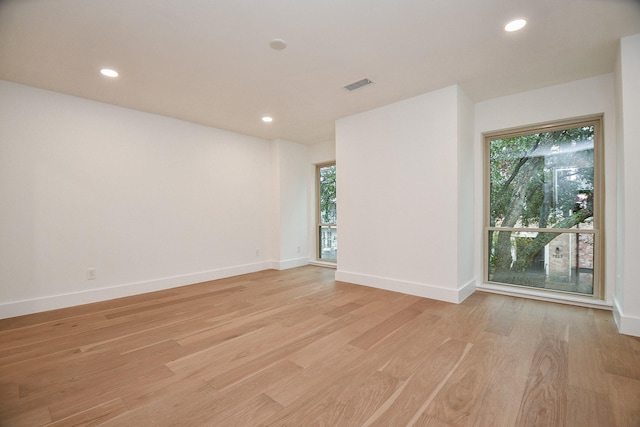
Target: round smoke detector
x=277, y=44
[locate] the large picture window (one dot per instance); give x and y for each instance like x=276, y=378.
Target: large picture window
x=543, y=207
x=327, y=213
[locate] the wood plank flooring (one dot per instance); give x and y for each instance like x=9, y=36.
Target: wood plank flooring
x=296, y=348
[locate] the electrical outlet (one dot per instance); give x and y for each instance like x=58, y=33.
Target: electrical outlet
x=91, y=273
x=298, y=249
x=257, y=252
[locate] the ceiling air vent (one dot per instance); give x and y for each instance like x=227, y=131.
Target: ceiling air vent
x=358, y=84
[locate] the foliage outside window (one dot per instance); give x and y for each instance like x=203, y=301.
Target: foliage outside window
x=327, y=213
x=542, y=219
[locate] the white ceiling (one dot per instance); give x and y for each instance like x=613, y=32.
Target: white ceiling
x=209, y=61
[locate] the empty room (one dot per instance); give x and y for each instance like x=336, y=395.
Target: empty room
x=297, y=213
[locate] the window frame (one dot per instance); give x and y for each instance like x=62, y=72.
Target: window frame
x=319, y=224
x=597, y=121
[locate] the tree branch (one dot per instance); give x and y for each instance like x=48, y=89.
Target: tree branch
x=531, y=251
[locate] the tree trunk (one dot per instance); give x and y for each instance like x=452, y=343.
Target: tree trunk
x=513, y=213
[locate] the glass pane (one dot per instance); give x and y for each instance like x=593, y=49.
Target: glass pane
x=327, y=189
x=558, y=261
x=328, y=239
x=542, y=180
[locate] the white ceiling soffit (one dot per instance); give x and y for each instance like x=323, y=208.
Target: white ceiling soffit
x=210, y=61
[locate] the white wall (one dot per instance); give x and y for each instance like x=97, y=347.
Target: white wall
x=627, y=296
x=148, y=201
x=580, y=98
x=290, y=244
x=322, y=152
x=398, y=196
x=465, y=188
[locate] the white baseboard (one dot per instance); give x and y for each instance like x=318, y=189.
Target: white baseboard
x=289, y=263
x=412, y=288
x=466, y=290
x=53, y=302
x=627, y=325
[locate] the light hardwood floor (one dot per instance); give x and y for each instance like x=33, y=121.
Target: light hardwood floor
x=296, y=348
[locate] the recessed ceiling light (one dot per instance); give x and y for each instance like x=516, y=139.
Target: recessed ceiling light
x=108, y=72
x=267, y=119
x=515, y=25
